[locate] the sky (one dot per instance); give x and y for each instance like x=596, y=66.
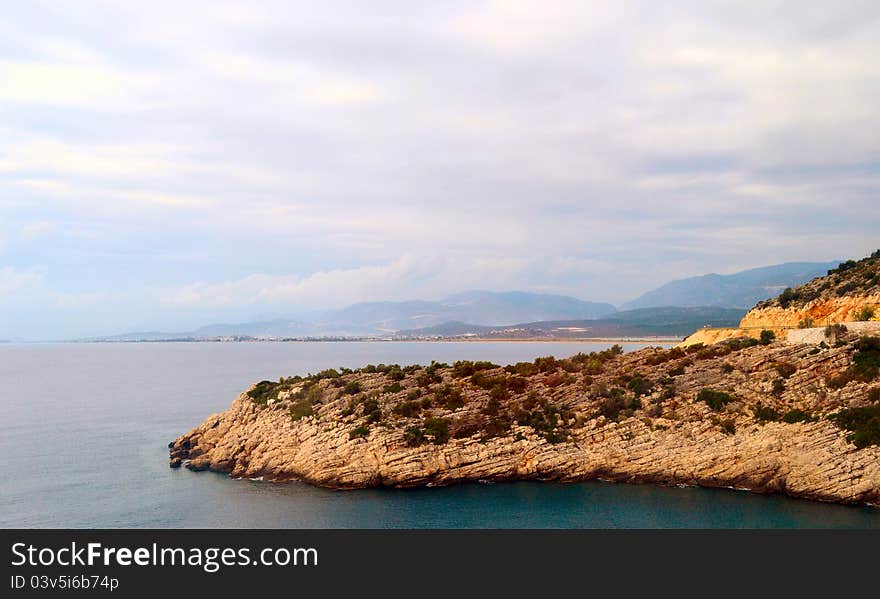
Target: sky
x=165, y=165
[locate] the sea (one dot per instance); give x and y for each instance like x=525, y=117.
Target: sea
x=84, y=430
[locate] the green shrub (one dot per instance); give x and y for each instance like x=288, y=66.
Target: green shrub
x=352, y=388
x=414, y=436
x=847, y=288
x=778, y=386
x=479, y=379
x=517, y=384
x=765, y=413
x=739, y=343
x=330, y=373
x=793, y=416
x=395, y=373
x=787, y=297
x=522, y=369
x=263, y=391
x=618, y=404
x=437, y=429
x=640, y=385
x=866, y=361
x=300, y=409
x=865, y=367
x=407, y=409
x=359, y=433
x=466, y=427
x=530, y=401
x=499, y=393
x=767, y=337
x=392, y=388
x=839, y=381
x=678, y=370
x=874, y=395
x=492, y=407
x=843, y=267
x=834, y=331
x=546, y=364
x=806, y=322
x=465, y=368
x=862, y=423
x=866, y=313
x=714, y=399
x=496, y=426
x=372, y=410
x=428, y=377
x=449, y=396
x=349, y=407
x=413, y=394
x=544, y=419
x=727, y=368
x=785, y=369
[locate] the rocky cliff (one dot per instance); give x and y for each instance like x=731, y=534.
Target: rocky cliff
x=800, y=419
x=819, y=311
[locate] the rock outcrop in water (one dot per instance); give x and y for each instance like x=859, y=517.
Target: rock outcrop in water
x=800, y=419
x=799, y=416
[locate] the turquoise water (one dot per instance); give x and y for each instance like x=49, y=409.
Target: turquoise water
x=85, y=429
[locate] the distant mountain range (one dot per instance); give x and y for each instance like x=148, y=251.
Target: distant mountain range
x=739, y=290
x=370, y=319
x=481, y=312
x=645, y=322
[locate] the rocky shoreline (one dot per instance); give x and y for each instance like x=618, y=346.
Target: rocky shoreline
x=776, y=418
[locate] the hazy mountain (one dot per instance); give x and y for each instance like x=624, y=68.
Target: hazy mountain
x=463, y=312
x=739, y=290
x=384, y=318
x=473, y=307
x=647, y=322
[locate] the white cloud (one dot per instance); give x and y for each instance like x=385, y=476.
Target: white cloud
x=36, y=230
x=15, y=283
x=408, y=277
x=590, y=148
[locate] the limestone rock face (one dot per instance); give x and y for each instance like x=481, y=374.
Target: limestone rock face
x=821, y=311
x=709, y=336
x=635, y=417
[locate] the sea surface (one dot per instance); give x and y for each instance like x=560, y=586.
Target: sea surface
x=84, y=430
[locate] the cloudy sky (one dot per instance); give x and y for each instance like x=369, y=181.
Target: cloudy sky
x=164, y=165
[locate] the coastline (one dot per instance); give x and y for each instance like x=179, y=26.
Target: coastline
x=703, y=416
x=664, y=339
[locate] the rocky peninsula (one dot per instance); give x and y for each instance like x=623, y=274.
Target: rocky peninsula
x=770, y=415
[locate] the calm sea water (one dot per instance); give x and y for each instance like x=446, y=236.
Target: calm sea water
x=84, y=431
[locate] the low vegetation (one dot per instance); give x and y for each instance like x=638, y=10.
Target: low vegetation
x=434, y=404
x=865, y=367
x=862, y=423
x=765, y=413
x=851, y=277
x=714, y=399
x=866, y=313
